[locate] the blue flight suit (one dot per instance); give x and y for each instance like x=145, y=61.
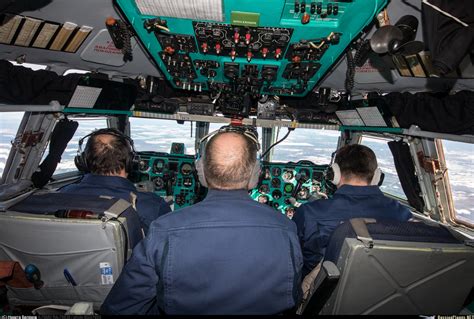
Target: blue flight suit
x=317, y=220
x=225, y=255
x=149, y=205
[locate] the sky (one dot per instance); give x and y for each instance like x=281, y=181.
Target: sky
x=302, y=144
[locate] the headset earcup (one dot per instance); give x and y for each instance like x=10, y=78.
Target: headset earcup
x=336, y=170
x=200, y=171
x=80, y=163
x=254, y=175
x=377, y=177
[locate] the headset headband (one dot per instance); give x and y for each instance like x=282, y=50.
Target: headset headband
x=246, y=130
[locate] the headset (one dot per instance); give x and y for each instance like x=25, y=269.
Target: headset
x=246, y=130
x=333, y=174
x=132, y=162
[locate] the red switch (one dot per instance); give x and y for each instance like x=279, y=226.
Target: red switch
x=264, y=52
x=236, y=37
x=204, y=47
x=218, y=48
x=249, y=56
x=277, y=53
x=305, y=18
x=233, y=54
x=169, y=50
x=247, y=38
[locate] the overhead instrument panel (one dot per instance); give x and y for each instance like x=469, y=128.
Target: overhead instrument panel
x=239, y=49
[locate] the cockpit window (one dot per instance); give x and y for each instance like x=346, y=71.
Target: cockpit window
x=460, y=163
x=391, y=184
x=306, y=144
x=158, y=135
x=86, y=125
x=9, y=123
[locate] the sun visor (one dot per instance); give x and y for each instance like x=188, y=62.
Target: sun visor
x=97, y=93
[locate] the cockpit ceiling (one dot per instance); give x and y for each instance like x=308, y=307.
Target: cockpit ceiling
x=378, y=75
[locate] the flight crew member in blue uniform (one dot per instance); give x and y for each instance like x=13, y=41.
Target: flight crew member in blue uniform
x=108, y=158
x=227, y=254
x=358, y=195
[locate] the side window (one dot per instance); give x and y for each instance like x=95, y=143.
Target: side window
x=460, y=163
x=391, y=184
x=9, y=123
x=86, y=125
x=306, y=144
x=157, y=135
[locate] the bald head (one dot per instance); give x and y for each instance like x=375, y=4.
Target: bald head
x=229, y=160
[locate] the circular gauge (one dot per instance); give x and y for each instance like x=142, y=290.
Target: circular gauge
x=158, y=166
x=276, y=182
x=288, y=188
x=276, y=194
x=267, y=174
x=276, y=171
x=287, y=175
x=289, y=212
x=143, y=165
x=303, y=194
x=186, y=169
x=304, y=174
x=262, y=199
x=264, y=189
x=159, y=183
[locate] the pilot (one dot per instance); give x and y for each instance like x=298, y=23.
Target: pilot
x=357, y=176
x=225, y=255
x=108, y=158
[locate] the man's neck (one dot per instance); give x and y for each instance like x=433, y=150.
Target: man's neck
x=353, y=182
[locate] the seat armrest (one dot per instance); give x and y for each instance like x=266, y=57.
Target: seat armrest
x=324, y=285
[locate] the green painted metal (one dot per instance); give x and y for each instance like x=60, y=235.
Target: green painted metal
x=96, y=111
x=395, y=130
x=352, y=17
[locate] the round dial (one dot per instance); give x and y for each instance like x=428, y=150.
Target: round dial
x=263, y=199
x=159, y=183
x=143, y=165
x=276, y=171
x=288, y=188
x=303, y=193
x=186, y=169
x=158, y=166
x=276, y=182
x=264, y=189
x=287, y=175
x=276, y=194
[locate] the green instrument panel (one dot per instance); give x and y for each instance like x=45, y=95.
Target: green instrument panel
x=283, y=186
x=169, y=175
x=247, y=47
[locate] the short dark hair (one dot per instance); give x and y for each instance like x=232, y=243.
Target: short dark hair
x=234, y=175
x=356, y=160
x=107, y=158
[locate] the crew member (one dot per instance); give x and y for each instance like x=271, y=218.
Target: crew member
x=108, y=158
x=357, y=177
x=225, y=255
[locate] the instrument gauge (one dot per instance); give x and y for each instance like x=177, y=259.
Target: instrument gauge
x=288, y=175
x=276, y=171
x=186, y=169
x=159, y=183
x=263, y=199
x=143, y=165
